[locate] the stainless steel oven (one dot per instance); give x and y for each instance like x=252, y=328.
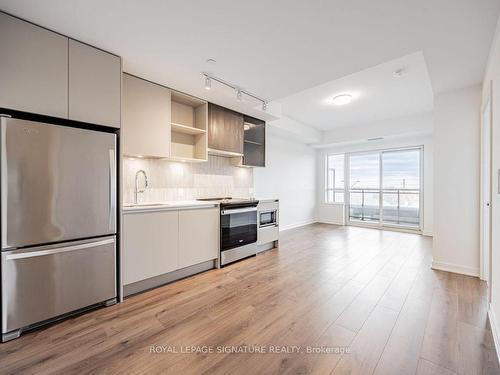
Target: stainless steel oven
x=238, y=231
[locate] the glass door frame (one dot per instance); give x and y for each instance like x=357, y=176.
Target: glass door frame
x=381, y=224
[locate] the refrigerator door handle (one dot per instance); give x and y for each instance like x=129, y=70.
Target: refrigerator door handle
x=58, y=250
x=112, y=189
x=3, y=178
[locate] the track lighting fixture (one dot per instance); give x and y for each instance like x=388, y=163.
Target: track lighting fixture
x=239, y=91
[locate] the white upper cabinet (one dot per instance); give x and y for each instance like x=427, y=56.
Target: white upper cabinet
x=34, y=68
x=146, y=118
x=47, y=73
x=94, y=85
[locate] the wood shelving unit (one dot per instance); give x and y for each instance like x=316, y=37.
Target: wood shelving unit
x=189, y=120
x=186, y=129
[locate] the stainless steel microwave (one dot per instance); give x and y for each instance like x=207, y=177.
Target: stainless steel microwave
x=267, y=218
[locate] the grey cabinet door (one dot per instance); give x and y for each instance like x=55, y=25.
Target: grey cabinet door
x=233, y=137
x=94, y=85
x=34, y=68
x=225, y=129
x=215, y=126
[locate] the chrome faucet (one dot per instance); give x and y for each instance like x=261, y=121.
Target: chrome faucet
x=137, y=190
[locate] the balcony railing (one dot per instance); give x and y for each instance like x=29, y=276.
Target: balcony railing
x=399, y=206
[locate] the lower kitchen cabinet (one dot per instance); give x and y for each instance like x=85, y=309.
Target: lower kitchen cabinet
x=158, y=242
x=150, y=244
x=198, y=236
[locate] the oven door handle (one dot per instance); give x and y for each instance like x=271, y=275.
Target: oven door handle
x=238, y=210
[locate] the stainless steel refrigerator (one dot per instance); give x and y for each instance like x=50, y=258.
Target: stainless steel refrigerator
x=58, y=221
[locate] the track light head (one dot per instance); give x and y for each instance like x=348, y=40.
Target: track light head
x=239, y=91
x=208, y=83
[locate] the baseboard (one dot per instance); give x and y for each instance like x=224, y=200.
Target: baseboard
x=291, y=226
x=494, y=330
x=455, y=268
x=156, y=281
x=333, y=222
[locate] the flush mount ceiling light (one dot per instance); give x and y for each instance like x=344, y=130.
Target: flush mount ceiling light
x=239, y=91
x=342, y=99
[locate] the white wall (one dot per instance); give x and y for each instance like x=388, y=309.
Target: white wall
x=493, y=76
x=290, y=128
x=456, y=178
x=395, y=127
x=290, y=176
x=333, y=214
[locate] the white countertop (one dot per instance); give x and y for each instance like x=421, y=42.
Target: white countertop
x=262, y=199
x=168, y=205
x=177, y=205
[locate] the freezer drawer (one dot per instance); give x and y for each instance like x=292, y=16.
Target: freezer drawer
x=45, y=282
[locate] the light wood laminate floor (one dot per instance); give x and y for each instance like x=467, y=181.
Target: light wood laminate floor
x=329, y=287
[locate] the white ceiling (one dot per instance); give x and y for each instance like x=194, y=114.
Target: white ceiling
x=275, y=48
x=377, y=95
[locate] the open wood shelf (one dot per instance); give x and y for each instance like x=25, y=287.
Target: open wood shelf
x=186, y=129
x=188, y=136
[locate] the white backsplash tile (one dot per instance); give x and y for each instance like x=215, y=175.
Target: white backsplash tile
x=172, y=181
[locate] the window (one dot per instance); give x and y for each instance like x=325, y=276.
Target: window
x=334, y=192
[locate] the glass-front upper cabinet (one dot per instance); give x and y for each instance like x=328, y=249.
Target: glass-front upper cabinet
x=254, y=142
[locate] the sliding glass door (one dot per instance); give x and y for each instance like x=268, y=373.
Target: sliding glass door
x=384, y=188
x=364, y=187
x=401, y=187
